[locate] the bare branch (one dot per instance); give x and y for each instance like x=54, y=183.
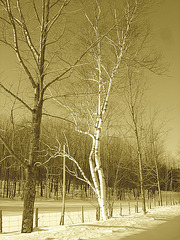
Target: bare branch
x=79, y=59
x=16, y=45
x=55, y=18
x=5, y=158
x=7, y=43
x=73, y=114
x=16, y=97
x=80, y=169
x=5, y=20
x=35, y=10
x=50, y=115
x=13, y=153
x=26, y=33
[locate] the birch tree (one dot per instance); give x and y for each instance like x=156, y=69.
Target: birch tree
x=101, y=73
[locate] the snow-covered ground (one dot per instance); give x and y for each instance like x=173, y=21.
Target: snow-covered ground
x=121, y=225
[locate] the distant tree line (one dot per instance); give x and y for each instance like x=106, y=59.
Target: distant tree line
x=119, y=160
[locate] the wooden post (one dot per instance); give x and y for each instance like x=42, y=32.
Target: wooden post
x=36, y=218
x=0, y=221
x=137, y=206
x=129, y=208
x=64, y=187
x=82, y=213
x=120, y=209
x=98, y=213
x=150, y=203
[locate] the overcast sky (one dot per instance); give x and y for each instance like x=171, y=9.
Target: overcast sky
x=166, y=90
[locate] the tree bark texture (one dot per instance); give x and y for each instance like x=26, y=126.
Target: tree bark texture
x=30, y=186
x=102, y=182
x=29, y=198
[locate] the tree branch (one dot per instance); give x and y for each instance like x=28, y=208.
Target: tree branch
x=26, y=33
x=16, y=97
x=35, y=10
x=7, y=8
x=50, y=115
x=79, y=59
x=55, y=18
x=13, y=153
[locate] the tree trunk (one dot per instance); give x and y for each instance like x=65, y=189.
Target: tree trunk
x=29, y=198
x=158, y=183
x=139, y=152
x=14, y=190
x=30, y=185
x=102, y=183
x=103, y=202
x=157, y=177
x=41, y=184
x=142, y=183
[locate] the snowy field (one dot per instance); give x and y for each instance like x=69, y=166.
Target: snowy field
x=119, y=225
x=50, y=217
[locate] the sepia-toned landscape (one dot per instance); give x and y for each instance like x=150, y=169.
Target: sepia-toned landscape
x=89, y=119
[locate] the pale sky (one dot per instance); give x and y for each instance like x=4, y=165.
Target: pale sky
x=166, y=90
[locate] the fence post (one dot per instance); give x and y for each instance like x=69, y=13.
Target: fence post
x=150, y=203
x=0, y=221
x=36, y=218
x=120, y=209
x=98, y=213
x=129, y=208
x=137, y=206
x=82, y=212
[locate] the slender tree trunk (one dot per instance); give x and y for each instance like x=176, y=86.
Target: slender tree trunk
x=142, y=184
x=134, y=97
x=139, y=151
x=158, y=183
x=155, y=156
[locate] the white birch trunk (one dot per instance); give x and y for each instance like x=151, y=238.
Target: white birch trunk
x=102, y=199
x=93, y=172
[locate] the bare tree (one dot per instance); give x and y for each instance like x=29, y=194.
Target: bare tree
x=105, y=62
x=155, y=134
x=102, y=74
x=32, y=30
x=134, y=93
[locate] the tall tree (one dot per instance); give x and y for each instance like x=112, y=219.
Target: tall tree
x=121, y=40
x=134, y=93
x=34, y=31
x=155, y=135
